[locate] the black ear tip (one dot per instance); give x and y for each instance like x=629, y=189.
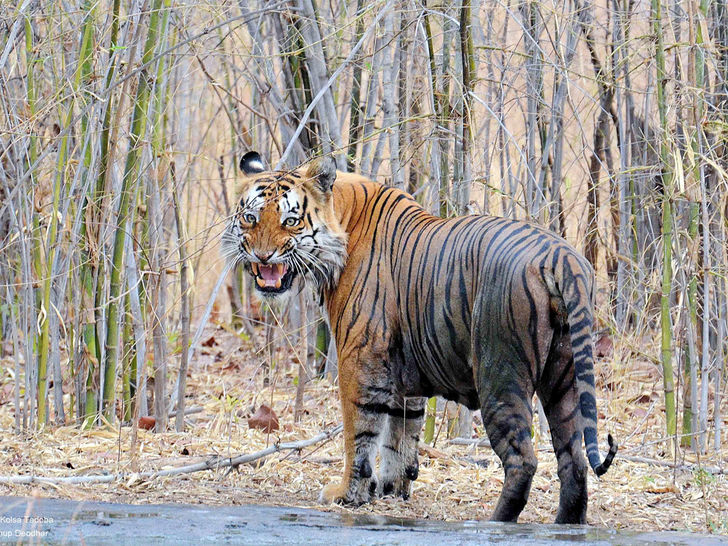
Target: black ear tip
x=252, y=163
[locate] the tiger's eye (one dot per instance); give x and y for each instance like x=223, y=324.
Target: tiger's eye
x=249, y=218
x=291, y=221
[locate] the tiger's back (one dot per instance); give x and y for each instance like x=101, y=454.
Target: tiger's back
x=427, y=275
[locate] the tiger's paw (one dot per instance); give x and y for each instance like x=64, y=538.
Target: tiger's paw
x=340, y=493
x=397, y=487
x=398, y=483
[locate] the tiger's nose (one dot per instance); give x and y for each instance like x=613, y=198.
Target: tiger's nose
x=264, y=257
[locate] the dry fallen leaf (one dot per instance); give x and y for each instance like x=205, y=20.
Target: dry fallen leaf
x=670, y=488
x=147, y=423
x=209, y=342
x=264, y=419
x=604, y=347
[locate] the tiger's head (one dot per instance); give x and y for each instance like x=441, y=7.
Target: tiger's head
x=284, y=228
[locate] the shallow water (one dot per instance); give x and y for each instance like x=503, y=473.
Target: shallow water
x=51, y=521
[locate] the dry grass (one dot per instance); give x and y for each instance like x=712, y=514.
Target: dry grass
x=456, y=482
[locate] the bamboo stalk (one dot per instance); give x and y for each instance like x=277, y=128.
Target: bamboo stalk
x=31, y=97
x=390, y=87
x=699, y=401
x=430, y=414
x=302, y=357
x=408, y=105
x=720, y=356
x=444, y=118
x=706, y=352
x=534, y=81
x=667, y=224
x=17, y=349
x=45, y=308
x=331, y=368
x=370, y=104
x=32, y=374
x=355, y=112
x=624, y=179
x=137, y=320
x=439, y=81
x=63, y=152
x=129, y=182
x=185, y=304
x=321, y=346
x=158, y=234
x=128, y=357
x=433, y=147
x=294, y=51
x=467, y=58
x=690, y=422
x=90, y=354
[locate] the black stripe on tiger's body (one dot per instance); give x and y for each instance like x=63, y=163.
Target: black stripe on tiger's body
x=482, y=310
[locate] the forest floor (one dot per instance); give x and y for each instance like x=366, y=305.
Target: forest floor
x=456, y=482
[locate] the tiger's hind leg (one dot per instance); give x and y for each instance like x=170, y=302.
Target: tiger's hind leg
x=398, y=464
x=559, y=398
x=507, y=415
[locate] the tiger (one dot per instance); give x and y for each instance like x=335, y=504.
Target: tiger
x=482, y=310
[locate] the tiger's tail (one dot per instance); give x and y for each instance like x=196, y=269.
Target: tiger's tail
x=575, y=282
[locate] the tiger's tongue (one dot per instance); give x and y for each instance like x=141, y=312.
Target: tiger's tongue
x=272, y=274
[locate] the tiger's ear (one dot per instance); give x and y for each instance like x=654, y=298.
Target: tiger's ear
x=322, y=172
x=252, y=163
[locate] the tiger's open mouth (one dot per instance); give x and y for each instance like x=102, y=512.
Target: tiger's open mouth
x=272, y=278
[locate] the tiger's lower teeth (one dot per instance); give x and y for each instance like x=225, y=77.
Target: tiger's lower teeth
x=262, y=283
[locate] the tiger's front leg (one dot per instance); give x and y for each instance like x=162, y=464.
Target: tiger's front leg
x=398, y=465
x=365, y=397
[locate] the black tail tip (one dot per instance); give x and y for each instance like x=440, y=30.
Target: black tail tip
x=602, y=468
